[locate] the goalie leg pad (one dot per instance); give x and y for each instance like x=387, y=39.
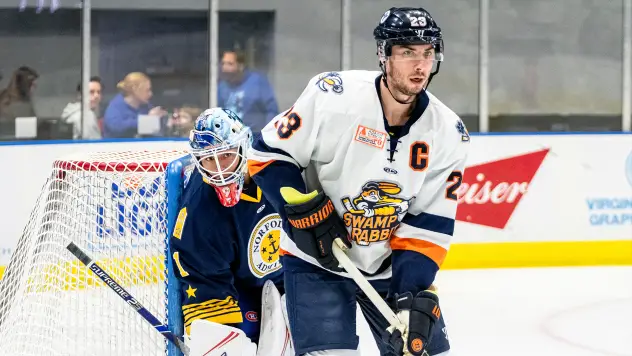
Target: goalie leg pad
x=275, y=337
x=321, y=307
x=213, y=339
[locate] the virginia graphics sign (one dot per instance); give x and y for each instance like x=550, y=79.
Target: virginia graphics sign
x=613, y=210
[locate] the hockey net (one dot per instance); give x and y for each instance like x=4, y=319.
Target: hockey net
x=114, y=207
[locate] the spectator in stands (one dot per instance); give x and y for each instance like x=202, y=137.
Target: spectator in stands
x=15, y=100
x=121, y=115
x=88, y=128
x=245, y=92
x=181, y=122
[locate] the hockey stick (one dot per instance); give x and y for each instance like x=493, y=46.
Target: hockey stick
x=146, y=314
x=338, y=250
x=350, y=208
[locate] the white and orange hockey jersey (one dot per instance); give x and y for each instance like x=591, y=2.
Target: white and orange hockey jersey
x=394, y=187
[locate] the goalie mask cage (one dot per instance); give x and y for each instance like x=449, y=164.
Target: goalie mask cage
x=120, y=208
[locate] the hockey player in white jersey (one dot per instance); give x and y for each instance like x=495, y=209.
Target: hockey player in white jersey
x=374, y=158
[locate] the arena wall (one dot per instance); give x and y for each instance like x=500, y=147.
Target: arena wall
x=526, y=200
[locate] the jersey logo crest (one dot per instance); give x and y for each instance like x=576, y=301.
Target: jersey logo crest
x=264, y=246
x=370, y=136
x=465, y=135
x=385, y=16
x=331, y=81
x=252, y=316
x=375, y=213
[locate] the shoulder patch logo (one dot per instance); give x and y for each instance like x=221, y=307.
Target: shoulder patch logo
x=371, y=137
x=264, y=246
x=375, y=213
x=182, y=217
x=331, y=81
x=465, y=135
x=252, y=316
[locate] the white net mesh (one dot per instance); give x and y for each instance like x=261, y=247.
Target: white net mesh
x=113, y=206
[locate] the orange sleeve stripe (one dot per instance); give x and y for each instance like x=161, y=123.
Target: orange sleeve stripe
x=255, y=167
x=433, y=251
x=283, y=252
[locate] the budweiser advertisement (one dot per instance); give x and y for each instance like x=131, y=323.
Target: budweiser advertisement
x=491, y=191
x=538, y=188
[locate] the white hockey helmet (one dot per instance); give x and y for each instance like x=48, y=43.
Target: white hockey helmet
x=218, y=143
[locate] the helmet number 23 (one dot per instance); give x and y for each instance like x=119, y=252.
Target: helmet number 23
x=288, y=124
x=418, y=21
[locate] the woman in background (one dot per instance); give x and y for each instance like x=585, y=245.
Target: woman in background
x=15, y=100
x=121, y=115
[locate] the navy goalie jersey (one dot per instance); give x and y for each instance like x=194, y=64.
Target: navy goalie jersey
x=223, y=256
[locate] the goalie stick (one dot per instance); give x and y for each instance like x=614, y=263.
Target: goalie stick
x=140, y=309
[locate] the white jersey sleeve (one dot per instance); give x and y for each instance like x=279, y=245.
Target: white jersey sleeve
x=291, y=136
x=429, y=224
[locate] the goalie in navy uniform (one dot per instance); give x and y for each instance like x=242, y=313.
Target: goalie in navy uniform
x=225, y=243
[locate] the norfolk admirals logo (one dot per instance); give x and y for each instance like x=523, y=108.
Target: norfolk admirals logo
x=263, y=248
x=375, y=213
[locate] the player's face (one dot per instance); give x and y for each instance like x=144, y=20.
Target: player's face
x=409, y=67
x=221, y=164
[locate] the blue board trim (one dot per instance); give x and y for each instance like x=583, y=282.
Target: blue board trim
x=72, y=142
x=179, y=139
x=551, y=133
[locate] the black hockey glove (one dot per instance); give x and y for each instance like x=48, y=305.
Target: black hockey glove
x=420, y=314
x=315, y=226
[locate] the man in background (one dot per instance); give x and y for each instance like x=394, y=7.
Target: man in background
x=245, y=92
x=88, y=128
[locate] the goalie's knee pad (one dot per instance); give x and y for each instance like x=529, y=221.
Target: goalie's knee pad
x=213, y=339
x=275, y=339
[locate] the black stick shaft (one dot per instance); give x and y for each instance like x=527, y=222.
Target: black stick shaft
x=140, y=309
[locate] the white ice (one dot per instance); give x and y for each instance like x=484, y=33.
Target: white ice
x=579, y=311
